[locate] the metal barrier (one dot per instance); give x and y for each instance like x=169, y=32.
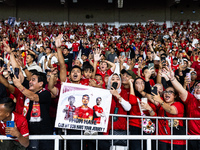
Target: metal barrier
x=149, y=138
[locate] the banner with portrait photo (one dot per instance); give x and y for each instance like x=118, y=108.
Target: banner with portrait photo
x=83, y=108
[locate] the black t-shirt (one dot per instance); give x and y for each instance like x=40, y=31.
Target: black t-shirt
x=44, y=126
x=68, y=60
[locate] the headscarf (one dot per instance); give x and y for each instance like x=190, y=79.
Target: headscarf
x=109, y=83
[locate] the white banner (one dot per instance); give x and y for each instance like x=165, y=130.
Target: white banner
x=83, y=108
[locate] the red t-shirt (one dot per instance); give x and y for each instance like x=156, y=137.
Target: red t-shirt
x=99, y=110
x=82, y=81
x=75, y=47
x=135, y=110
x=19, y=101
x=164, y=123
x=196, y=66
x=84, y=113
x=108, y=72
x=193, y=110
x=20, y=122
x=174, y=67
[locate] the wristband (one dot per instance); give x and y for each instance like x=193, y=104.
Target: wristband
x=162, y=103
x=22, y=89
x=24, y=68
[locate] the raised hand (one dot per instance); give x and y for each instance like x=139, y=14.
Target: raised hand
x=58, y=41
x=168, y=72
x=6, y=47
x=97, y=56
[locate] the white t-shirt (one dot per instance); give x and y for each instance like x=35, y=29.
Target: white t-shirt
x=53, y=61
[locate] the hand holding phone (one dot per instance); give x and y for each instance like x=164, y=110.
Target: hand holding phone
x=10, y=124
x=188, y=76
x=114, y=85
x=163, y=61
x=16, y=72
x=154, y=90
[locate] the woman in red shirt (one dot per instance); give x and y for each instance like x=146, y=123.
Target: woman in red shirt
x=135, y=124
x=169, y=107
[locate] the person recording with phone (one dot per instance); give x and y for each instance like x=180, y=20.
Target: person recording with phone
x=18, y=126
x=119, y=105
x=136, y=88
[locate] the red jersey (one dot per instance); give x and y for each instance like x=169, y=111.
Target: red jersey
x=135, y=110
x=19, y=101
x=70, y=111
x=84, y=113
x=108, y=72
x=99, y=110
x=196, y=66
x=75, y=47
x=164, y=123
x=193, y=110
x=20, y=122
x=82, y=81
x=174, y=67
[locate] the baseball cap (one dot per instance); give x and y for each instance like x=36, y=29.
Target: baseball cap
x=129, y=72
x=193, y=72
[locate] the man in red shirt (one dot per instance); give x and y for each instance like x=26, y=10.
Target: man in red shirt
x=175, y=64
x=70, y=109
x=98, y=111
x=20, y=132
x=192, y=104
x=75, y=47
x=84, y=112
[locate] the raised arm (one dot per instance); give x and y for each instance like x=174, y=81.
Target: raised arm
x=97, y=57
x=29, y=94
x=113, y=66
x=10, y=87
x=179, y=88
x=51, y=87
x=13, y=60
x=63, y=74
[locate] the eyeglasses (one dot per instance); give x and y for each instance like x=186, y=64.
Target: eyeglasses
x=168, y=92
x=197, y=87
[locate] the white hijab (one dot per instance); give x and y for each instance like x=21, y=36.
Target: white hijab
x=109, y=83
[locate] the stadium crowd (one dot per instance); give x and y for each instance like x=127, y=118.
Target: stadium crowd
x=144, y=61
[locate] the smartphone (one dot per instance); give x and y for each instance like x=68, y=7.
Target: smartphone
x=144, y=100
x=154, y=90
x=188, y=76
x=16, y=72
x=163, y=60
x=151, y=65
x=10, y=124
x=5, y=65
x=114, y=85
x=46, y=57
